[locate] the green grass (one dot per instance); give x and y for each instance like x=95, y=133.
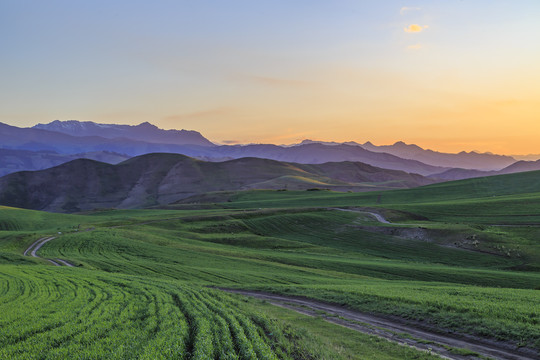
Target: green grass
x=60, y=313
x=52, y=313
x=313, y=253
x=337, y=341
x=484, y=311
x=503, y=199
x=138, y=289
x=13, y=219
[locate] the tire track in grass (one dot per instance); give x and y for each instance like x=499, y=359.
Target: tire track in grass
x=65, y=262
x=377, y=217
x=422, y=339
x=36, y=245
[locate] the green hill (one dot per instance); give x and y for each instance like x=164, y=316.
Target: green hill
x=140, y=285
x=157, y=179
x=502, y=199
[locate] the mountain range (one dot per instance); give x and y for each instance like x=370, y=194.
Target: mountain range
x=33, y=139
x=157, y=179
x=464, y=160
x=321, y=153
x=86, y=165
x=46, y=145
x=73, y=137
x=145, y=132
x=460, y=174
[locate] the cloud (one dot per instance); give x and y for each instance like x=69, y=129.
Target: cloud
x=405, y=9
x=415, y=28
x=230, y=142
x=414, y=47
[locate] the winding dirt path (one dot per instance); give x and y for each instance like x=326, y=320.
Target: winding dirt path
x=65, y=262
x=36, y=245
x=420, y=338
x=378, y=217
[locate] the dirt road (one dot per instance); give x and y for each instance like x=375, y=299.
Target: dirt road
x=36, y=245
x=391, y=329
x=378, y=217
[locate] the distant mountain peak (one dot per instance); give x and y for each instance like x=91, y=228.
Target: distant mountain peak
x=148, y=125
x=403, y=145
x=463, y=159
x=331, y=143
x=145, y=131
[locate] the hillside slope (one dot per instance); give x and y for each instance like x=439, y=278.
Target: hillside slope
x=460, y=174
x=26, y=160
x=155, y=179
x=322, y=153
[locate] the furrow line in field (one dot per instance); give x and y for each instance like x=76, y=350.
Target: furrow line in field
x=190, y=339
x=240, y=338
x=66, y=327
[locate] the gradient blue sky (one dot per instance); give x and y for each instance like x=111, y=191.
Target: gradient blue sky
x=281, y=71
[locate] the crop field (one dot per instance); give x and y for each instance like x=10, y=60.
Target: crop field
x=504, y=199
x=94, y=315
x=54, y=313
x=142, y=282
x=239, y=253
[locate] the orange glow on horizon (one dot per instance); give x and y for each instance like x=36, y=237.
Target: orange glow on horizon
x=449, y=76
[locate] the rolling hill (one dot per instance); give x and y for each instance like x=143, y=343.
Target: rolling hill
x=142, y=283
x=460, y=174
x=24, y=160
x=321, y=153
x=155, y=179
x=510, y=199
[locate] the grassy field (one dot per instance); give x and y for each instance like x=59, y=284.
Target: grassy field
x=140, y=285
x=504, y=200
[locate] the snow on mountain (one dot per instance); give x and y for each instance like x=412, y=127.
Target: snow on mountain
x=142, y=132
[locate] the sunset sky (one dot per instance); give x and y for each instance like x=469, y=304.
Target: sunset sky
x=446, y=75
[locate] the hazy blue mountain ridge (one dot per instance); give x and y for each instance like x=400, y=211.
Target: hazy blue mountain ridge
x=143, y=132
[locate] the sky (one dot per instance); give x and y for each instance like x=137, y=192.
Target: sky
x=446, y=75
